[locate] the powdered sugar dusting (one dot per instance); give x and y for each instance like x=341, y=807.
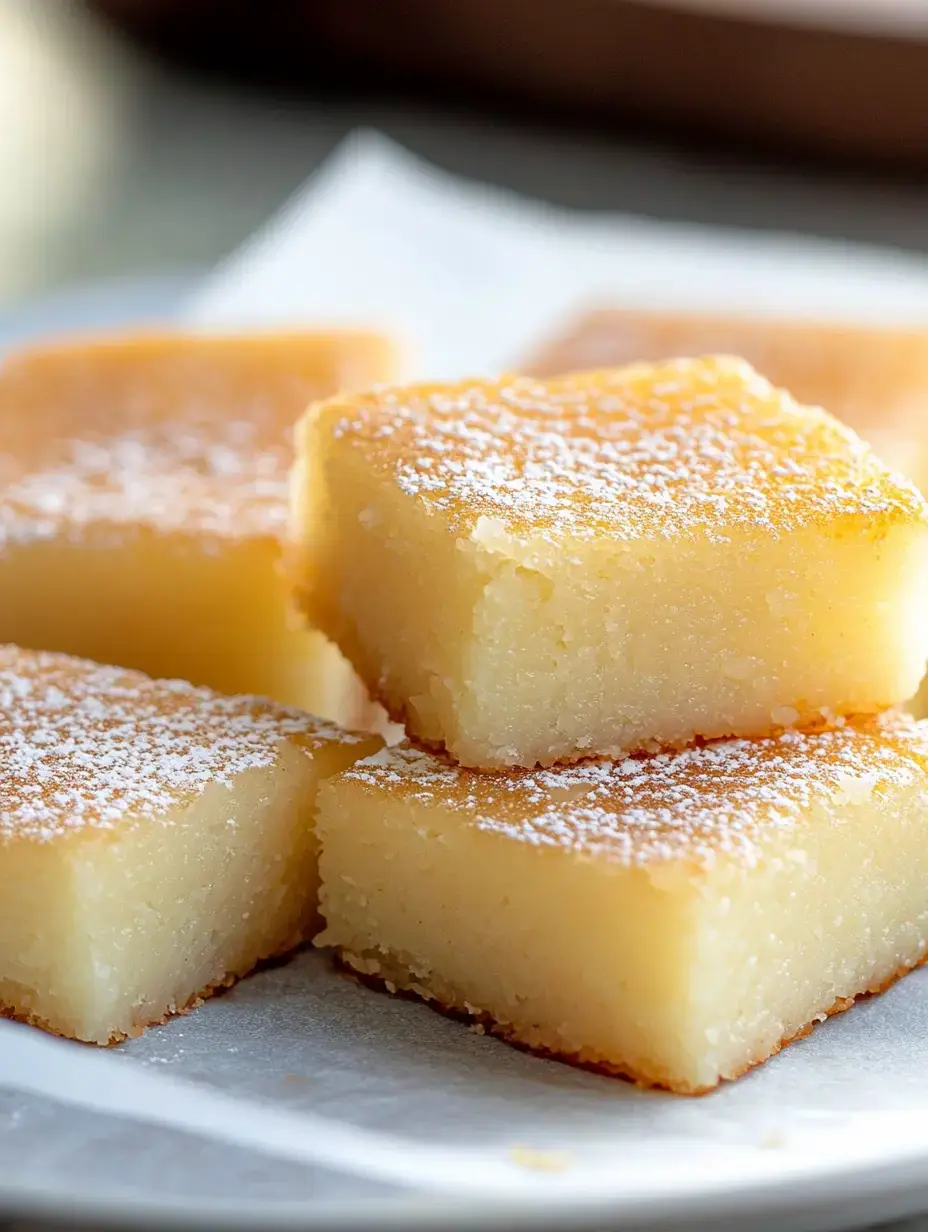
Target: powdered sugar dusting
x=88, y=746
x=696, y=805
x=162, y=478
x=682, y=447
x=169, y=433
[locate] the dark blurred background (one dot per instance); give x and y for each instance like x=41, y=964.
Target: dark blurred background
x=141, y=136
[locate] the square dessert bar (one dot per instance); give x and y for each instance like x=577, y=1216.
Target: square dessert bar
x=535, y=571
x=143, y=494
x=673, y=918
x=873, y=379
x=156, y=840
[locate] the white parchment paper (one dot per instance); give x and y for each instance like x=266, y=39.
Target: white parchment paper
x=300, y=1086
x=472, y=277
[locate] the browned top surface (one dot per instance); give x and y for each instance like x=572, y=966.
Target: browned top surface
x=697, y=805
x=682, y=447
x=88, y=746
x=171, y=431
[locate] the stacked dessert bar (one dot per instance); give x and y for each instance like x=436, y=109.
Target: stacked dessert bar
x=647, y=628
x=873, y=379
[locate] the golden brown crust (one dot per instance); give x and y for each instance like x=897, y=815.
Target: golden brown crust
x=640, y=1077
x=269, y=377
x=118, y=1037
x=684, y=447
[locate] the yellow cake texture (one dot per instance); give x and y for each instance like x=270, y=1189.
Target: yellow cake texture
x=529, y=571
x=156, y=840
x=673, y=918
x=143, y=495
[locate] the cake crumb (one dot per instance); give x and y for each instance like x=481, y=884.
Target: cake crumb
x=539, y=1161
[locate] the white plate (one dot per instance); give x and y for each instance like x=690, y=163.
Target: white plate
x=831, y=1134
x=65, y=1165
x=100, y=305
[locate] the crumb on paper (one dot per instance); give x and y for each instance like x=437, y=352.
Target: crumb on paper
x=539, y=1161
x=773, y=1140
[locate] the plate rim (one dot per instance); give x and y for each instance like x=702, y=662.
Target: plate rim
x=812, y=1204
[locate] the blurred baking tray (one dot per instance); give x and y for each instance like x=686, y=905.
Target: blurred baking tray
x=827, y=78
x=897, y=18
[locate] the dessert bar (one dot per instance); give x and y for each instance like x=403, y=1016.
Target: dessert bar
x=143, y=493
x=530, y=572
x=673, y=918
x=156, y=840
